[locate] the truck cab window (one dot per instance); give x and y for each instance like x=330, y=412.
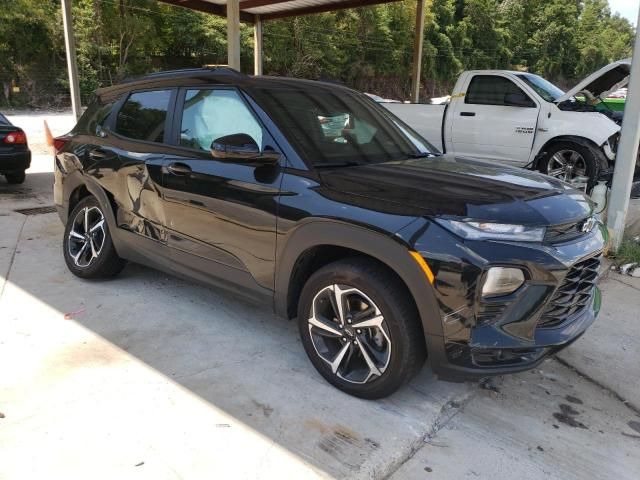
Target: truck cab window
x=492, y=90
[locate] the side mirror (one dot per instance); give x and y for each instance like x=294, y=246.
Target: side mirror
x=241, y=147
x=518, y=100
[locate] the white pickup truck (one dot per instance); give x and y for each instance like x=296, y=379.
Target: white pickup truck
x=522, y=119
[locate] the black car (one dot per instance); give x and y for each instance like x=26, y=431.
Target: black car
x=15, y=156
x=387, y=252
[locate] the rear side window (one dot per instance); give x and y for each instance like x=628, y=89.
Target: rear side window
x=143, y=116
x=94, y=117
x=490, y=90
x=211, y=114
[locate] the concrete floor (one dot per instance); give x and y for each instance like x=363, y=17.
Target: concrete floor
x=149, y=376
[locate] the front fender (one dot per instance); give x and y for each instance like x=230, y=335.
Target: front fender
x=592, y=126
x=391, y=251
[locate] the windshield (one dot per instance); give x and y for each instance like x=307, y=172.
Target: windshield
x=3, y=120
x=329, y=126
x=547, y=90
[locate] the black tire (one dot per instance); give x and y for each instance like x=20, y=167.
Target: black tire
x=16, y=178
x=594, y=160
x=407, y=352
x=107, y=263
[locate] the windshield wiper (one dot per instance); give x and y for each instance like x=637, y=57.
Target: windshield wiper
x=337, y=164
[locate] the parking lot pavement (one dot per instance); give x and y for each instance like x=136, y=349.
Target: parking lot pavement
x=609, y=352
x=153, y=376
x=548, y=423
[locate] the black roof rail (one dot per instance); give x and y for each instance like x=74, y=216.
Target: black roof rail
x=205, y=68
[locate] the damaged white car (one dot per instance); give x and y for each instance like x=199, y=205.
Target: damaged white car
x=521, y=119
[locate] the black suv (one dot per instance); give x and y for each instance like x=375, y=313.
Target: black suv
x=313, y=200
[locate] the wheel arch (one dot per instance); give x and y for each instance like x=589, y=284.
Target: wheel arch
x=80, y=187
x=578, y=140
x=338, y=240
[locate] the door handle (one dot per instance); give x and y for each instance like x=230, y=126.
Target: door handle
x=179, y=169
x=467, y=114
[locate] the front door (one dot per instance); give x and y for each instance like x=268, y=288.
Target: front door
x=496, y=120
x=221, y=214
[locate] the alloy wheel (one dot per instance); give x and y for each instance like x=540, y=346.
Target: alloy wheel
x=567, y=165
x=349, y=333
x=87, y=236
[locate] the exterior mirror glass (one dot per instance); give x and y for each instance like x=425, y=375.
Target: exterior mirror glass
x=242, y=148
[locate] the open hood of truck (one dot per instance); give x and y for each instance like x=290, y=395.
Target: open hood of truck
x=603, y=82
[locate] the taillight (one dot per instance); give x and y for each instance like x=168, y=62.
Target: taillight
x=16, y=138
x=59, y=142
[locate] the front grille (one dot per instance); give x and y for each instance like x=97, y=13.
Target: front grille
x=564, y=233
x=573, y=296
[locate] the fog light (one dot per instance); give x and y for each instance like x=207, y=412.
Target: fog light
x=502, y=281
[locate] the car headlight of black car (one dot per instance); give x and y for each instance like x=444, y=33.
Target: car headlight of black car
x=478, y=230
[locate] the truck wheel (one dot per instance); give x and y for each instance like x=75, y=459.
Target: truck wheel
x=567, y=160
x=16, y=178
x=360, y=328
x=87, y=245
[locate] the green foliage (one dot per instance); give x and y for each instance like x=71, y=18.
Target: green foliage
x=368, y=48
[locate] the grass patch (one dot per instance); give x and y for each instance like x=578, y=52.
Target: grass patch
x=628, y=252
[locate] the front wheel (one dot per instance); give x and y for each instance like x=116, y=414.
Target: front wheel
x=88, y=249
x=568, y=161
x=360, y=328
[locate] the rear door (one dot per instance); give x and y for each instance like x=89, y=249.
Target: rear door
x=487, y=123
x=221, y=214
x=129, y=163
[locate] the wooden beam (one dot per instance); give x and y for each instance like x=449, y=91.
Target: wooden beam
x=206, y=7
x=245, y=4
x=257, y=46
x=417, y=51
x=233, y=34
x=329, y=7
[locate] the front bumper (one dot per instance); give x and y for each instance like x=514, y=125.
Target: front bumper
x=473, y=337
x=462, y=362
x=15, y=161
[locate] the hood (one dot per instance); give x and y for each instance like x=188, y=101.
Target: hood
x=601, y=83
x=450, y=186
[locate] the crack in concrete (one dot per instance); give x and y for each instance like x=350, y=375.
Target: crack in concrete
x=624, y=283
x=13, y=257
x=630, y=405
x=448, y=411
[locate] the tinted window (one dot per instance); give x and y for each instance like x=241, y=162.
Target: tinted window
x=94, y=117
x=211, y=114
x=143, y=115
x=331, y=125
x=490, y=90
x=3, y=120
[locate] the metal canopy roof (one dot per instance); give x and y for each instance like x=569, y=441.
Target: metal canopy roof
x=272, y=9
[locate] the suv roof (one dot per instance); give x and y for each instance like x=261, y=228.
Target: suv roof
x=210, y=75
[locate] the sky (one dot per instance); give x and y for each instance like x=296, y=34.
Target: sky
x=626, y=8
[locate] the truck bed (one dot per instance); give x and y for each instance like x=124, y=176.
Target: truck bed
x=424, y=119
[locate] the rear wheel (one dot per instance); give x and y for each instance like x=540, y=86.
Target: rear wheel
x=16, y=178
x=360, y=328
x=88, y=249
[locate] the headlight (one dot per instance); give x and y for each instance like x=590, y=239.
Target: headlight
x=502, y=281
x=493, y=231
